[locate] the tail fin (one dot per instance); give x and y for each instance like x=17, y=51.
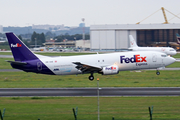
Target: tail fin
x=178, y=38
x=19, y=50
x=132, y=41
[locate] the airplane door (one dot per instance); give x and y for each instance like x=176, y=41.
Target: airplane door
x=154, y=58
x=39, y=66
x=154, y=61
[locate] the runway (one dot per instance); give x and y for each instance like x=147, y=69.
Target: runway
x=6, y=56
x=91, y=92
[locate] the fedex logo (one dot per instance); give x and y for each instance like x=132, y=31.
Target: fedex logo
x=111, y=68
x=132, y=42
x=135, y=58
x=16, y=45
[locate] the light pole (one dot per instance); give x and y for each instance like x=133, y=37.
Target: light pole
x=83, y=36
x=98, y=98
x=35, y=42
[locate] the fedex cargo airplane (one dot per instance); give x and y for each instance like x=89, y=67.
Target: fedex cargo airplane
x=134, y=47
x=105, y=64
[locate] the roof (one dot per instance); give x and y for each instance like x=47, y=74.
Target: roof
x=134, y=26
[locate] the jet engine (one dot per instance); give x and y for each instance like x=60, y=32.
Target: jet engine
x=109, y=70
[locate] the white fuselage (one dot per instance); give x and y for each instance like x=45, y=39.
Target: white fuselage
x=166, y=50
x=134, y=47
x=124, y=60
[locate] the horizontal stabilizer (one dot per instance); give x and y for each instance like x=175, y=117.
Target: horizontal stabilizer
x=16, y=62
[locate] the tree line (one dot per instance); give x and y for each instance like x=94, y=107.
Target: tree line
x=60, y=38
x=40, y=38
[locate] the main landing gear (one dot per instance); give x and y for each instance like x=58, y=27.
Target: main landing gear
x=91, y=77
x=157, y=72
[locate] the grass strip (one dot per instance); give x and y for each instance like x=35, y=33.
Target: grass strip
x=123, y=79
x=54, y=108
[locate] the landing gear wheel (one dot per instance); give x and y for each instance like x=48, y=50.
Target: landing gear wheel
x=157, y=73
x=91, y=78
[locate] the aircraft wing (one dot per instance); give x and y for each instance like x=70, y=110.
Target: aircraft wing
x=85, y=68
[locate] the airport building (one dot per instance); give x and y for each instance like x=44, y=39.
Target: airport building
x=1, y=29
x=69, y=44
x=83, y=44
x=116, y=37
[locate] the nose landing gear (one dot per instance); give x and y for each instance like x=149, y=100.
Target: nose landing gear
x=157, y=72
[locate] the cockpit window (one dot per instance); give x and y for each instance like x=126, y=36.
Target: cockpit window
x=163, y=55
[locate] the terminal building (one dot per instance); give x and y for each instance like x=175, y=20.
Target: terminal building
x=1, y=29
x=69, y=44
x=116, y=37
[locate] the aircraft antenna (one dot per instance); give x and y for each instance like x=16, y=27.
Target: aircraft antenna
x=83, y=35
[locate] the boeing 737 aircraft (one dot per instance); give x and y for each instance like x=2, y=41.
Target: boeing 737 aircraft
x=105, y=64
x=134, y=47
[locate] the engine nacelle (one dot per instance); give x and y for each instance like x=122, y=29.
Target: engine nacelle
x=110, y=70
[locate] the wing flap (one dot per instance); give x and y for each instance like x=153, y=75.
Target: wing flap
x=85, y=68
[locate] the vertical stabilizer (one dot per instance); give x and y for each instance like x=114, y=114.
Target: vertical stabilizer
x=178, y=38
x=19, y=50
x=132, y=41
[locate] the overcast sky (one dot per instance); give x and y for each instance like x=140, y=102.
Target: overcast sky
x=71, y=12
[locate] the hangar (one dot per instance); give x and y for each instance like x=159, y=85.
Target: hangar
x=116, y=37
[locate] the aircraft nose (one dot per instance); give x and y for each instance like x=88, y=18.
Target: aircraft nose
x=170, y=60
x=175, y=52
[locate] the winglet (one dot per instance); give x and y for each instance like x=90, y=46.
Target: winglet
x=132, y=41
x=19, y=50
